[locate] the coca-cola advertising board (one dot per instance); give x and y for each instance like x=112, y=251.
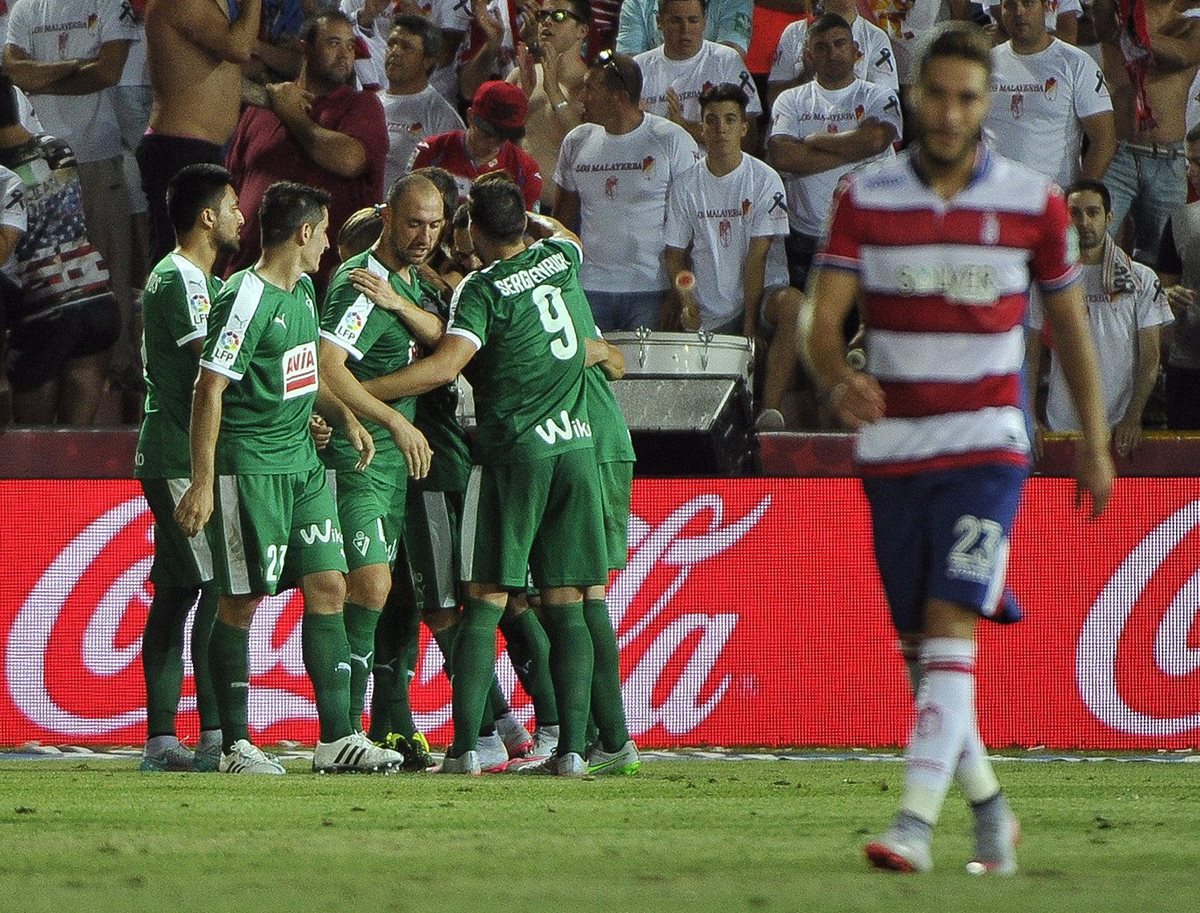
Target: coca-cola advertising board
x=750, y=614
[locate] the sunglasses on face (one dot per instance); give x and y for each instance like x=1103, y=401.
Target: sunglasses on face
x=556, y=16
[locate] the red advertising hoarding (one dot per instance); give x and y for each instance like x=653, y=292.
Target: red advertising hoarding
x=750, y=614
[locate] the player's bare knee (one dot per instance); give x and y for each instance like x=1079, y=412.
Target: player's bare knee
x=237, y=611
x=441, y=619
x=324, y=592
x=369, y=586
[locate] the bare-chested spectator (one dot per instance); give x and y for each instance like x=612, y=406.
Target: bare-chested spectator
x=1150, y=60
x=67, y=54
x=318, y=131
x=414, y=109
x=551, y=74
x=196, y=49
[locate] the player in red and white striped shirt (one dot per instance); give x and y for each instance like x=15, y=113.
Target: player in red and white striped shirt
x=941, y=247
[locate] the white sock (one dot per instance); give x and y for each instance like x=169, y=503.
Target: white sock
x=945, y=718
x=974, y=774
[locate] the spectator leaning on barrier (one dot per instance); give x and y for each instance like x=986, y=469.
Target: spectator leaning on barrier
x=1126, y=311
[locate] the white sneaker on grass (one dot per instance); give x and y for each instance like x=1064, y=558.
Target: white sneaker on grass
x=166, y=753
x=467, y=763
x=493, y=756
x=567, y=765
x=625, y=760
x=517, y=740
x=244, y=758
x=354, y=753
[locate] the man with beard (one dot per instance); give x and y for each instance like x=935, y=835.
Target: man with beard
x=364, y=335
x=256, y=472
x=939, y=253
x=179, y=291
x=1126, y=310
x=317, y=131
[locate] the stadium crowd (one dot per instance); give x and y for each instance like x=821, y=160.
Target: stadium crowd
x=113, y=97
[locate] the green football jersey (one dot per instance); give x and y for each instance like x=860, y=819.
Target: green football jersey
x=610, y=433
x=264, y=339
x=175, y=308
x=529, y=318
x=378, y=343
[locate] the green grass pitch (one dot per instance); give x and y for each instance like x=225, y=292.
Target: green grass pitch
x=680, y=835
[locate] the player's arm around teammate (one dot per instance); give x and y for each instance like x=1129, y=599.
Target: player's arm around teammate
x=362, y=405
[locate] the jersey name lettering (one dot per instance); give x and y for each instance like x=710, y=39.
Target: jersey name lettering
x=527, y=279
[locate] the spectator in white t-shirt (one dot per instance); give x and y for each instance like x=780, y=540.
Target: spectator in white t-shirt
x=822, y=129
x=614, y=174
x=677, y=71
x=726, y=221
x=1127, y=310
x=1046, y=95
x=874, y=62
x=1061, y=16
x=414, y=109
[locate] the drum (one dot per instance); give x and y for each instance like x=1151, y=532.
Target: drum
x=654, y=354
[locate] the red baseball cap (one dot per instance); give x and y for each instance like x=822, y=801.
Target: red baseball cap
x=501, y=104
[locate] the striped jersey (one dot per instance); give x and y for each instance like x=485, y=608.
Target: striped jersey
x=944, y=287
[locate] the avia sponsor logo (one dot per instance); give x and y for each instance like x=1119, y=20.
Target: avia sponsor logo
x=527, y=279
x=962, y=284
x=564, y=428
x=1137, y=663
x=299, y=370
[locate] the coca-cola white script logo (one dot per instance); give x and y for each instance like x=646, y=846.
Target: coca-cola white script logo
x=1096, y=657
x=659, y=553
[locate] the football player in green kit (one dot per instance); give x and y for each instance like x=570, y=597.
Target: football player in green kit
x=359, y=341
x=275, y=519
x=203, y=208
x=533, y=504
